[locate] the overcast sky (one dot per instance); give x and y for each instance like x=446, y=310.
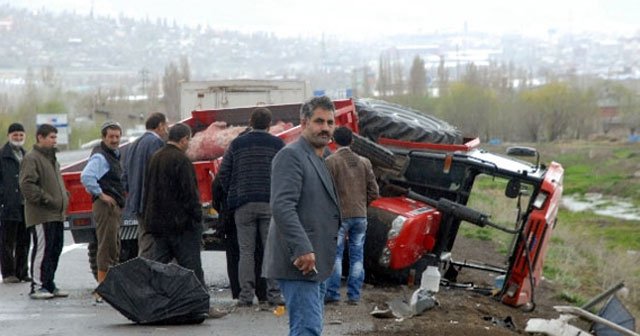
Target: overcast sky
x=366, y=19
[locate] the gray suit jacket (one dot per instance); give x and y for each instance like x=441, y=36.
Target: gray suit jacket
x=305, y=214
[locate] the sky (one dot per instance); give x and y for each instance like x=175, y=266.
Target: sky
x=368, y=19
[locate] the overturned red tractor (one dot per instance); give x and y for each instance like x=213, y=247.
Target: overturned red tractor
x=426, y=171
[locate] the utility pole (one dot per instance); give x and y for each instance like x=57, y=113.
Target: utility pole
x=144, y=78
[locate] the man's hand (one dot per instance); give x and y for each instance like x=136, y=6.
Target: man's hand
x=306, y=263
x=108, y=199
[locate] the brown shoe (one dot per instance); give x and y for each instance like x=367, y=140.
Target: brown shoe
x=216, y=313
x=11, y=279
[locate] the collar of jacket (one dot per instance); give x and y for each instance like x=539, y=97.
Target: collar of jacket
x=49, y=153
x=113, y=152
x=7, y=151
x=309, y=149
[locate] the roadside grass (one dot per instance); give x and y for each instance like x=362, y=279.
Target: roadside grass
x=588, y=253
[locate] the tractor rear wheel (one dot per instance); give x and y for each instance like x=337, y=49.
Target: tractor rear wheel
x=378, y=118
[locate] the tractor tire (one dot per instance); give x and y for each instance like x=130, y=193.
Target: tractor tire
x=128, y=250
x=379, y=223
x=378, y=155
x=378, y=118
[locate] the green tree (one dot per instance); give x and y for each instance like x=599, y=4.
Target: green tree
x=471, y=108
x=417, y=77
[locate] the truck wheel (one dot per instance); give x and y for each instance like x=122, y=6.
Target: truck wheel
x=92, y=251
x=128, y=249
x=380, y=118
x=378, y=155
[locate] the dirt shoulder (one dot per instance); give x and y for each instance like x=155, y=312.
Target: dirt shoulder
x=461, y=312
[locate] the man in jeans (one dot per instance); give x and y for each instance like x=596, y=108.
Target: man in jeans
x=301, y=247
x=46, y=202
x=357, y=187
x=246, y=176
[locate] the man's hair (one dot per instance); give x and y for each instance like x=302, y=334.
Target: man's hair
x=306, y=111
x=179, y=131
x=154, y=120
x=45, y=129
x=343, y=136
x=260, y=118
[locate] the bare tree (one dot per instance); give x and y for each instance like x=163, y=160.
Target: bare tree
x=443, y=77
x=171, y=87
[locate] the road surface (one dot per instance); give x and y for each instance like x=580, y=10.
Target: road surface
x=78, y=314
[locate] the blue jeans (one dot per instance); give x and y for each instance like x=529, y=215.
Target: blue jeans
x=305, y=306
x=356, y=229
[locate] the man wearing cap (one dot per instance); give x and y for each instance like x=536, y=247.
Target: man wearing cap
x=45, y=204
x=15, y=237
x=102, y=177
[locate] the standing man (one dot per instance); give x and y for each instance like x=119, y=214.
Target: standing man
x=15, y=237
x=172, y=211
x=46, y=202
x=102, y=177
x=246, y=177
x=136, y=160
x=357, y=187
x=301, y=247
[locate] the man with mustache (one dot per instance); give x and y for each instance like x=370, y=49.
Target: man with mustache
x=301, y=246
x=102, y=177
x=15, y=237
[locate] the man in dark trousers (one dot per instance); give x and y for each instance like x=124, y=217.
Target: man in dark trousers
x=357, y=187
x=136, y=160
x=232, y=251
x=301, y=247
x=46, y=202
x=172, y=212
x=14, y=233
x=245, y=174
x=102, y=178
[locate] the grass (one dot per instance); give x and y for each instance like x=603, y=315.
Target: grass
x=588, y=253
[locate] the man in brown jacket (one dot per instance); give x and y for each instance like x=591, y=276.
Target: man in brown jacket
x=46, y=202
x=357, y=187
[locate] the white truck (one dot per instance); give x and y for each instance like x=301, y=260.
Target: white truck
x=205, y=95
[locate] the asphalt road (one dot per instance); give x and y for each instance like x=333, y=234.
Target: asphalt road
x=20, y=315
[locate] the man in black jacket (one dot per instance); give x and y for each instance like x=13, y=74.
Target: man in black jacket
x=172, y=212
x=15, y=237
x=245, y=174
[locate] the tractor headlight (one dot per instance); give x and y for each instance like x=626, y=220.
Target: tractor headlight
x=396, y=227
x=385, y=258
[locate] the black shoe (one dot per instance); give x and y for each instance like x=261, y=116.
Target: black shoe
x=26, y=279
x=331, y=302
x=353, y=302
x=276, y=302
x=244, y=303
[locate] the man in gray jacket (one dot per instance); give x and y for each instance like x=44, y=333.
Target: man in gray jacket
x=301, y=246
x=46, y=202
x=136, y=160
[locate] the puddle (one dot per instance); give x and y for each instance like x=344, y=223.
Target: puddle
x=602, y=205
